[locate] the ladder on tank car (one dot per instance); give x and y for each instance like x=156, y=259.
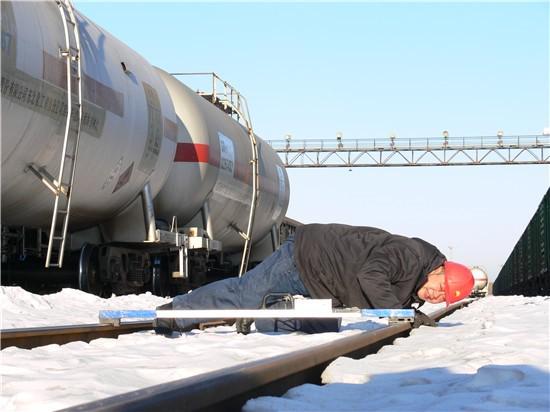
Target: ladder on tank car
x=62, y=187
x=228, y=99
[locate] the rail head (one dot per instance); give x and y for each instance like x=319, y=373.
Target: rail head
x=28, y=338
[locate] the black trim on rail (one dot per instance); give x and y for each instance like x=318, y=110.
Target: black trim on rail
x=228, y=389
x=28, y=338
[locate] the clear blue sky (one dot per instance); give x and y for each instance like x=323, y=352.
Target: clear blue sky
x=368, y=70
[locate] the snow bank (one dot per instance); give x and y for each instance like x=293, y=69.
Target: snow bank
x=22, y=309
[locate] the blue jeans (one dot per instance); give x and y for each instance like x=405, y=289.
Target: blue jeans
x=276, y=274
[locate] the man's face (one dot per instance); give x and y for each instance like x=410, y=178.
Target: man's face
x=433, y=291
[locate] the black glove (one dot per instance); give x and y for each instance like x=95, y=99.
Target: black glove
x=420, y=318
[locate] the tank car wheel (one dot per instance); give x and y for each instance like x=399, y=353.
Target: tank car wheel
x=88, y=272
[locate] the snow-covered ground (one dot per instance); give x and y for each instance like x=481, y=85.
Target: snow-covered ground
x=492, y=355
x=21, y=309
x=53, y=377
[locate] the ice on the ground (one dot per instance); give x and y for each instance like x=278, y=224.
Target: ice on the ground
x=490, y=356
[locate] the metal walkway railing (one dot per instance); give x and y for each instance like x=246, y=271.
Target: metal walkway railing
x=429, y=151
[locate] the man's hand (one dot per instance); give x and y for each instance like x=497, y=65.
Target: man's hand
x=420, y=318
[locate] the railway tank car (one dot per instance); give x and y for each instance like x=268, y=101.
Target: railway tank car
x=481, y=282
x=163, y=187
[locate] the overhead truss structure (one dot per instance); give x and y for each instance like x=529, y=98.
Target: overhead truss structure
x=430, y=151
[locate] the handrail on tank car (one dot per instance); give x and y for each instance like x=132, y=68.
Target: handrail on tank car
x=230, y=94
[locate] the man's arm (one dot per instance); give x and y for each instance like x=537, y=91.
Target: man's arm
x=375, y=282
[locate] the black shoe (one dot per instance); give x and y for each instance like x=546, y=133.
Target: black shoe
x=164, y=326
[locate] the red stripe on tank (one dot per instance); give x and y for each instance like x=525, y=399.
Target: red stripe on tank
x=192, y=152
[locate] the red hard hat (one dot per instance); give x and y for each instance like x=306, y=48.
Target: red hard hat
x=459, y=282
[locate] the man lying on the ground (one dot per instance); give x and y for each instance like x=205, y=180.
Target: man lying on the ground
x=354, y=266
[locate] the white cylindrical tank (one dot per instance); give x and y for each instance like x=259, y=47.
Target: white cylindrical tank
x=140, y=125
x=480, y=278
x=129, y=126
x=212, y=165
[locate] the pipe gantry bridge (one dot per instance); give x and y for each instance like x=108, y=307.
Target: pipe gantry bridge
x=426, y=151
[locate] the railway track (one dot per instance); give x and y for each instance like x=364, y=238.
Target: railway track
x=28, y=338
x=228, y=389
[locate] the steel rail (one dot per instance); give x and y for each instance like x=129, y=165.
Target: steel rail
x=28, y=338
x=228, y=389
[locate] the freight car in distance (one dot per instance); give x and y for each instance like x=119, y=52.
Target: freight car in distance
x=526, y=271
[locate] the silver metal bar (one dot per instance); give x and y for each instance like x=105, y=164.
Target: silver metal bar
x=44, y=177
x=183, y=259
x=207, y=219
x=148, y=213
x=275, y=242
